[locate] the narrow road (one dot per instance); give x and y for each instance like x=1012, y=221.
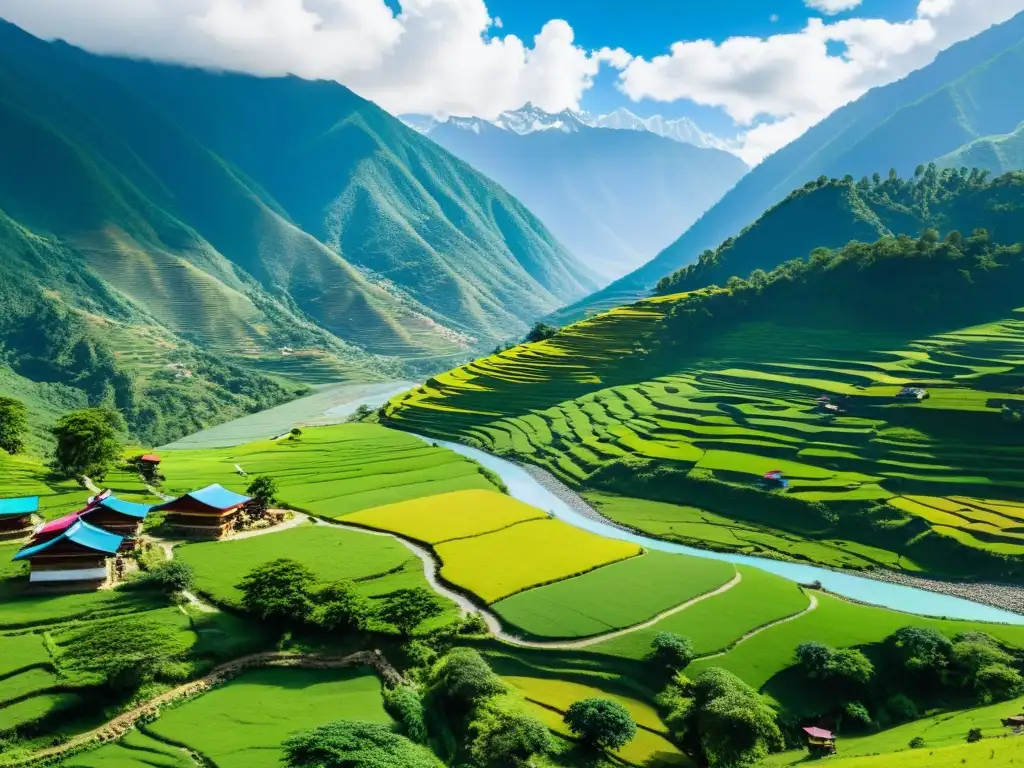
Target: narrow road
x=120, y=725
x=812, y=606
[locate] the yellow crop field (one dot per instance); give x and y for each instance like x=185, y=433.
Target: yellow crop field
x=526, y=555
x=446, y=516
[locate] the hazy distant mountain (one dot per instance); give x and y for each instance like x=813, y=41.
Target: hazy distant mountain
x=998, y=154
x=972, y=90
x=613, y=197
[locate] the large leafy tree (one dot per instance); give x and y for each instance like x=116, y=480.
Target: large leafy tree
x=672, y=651
x=503, y=736
x=462, y=679
x=263, y=491
x=600, y=723
x=88, y=443
x=340, y=606
x=279, y=592
x=356, y=745
x=124, y=653
x=13, y=425
x=406, y=609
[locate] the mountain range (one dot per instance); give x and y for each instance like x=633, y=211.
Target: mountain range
x=971, y=91
x=614, y=197
x=166, y=209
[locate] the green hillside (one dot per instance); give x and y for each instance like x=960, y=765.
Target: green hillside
x=1002, y=153
x=687, y=400
x=970, y=91
x=198, y=243
x=829, y=213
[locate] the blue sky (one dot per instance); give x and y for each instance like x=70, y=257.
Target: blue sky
x=648, y=27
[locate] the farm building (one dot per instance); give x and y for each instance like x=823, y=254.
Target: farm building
x=112, y=514
x=16, y=516
x=77, y=556
x=774, y=479
x=913, y=393
x=148, y=465
x=207, y=513
x=820, y=742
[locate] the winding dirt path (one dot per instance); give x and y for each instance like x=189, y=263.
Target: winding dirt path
x=811, y=606
x=123, y=723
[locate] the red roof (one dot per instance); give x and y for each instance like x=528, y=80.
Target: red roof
x=150, y=457
x=818, y=733
x=60, y=524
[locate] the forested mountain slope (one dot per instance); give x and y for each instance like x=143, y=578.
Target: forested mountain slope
x=829, y=213
x=689, y=400
x=615, y=198
x=971, y=90
x=277, y=225
x=1000, y=154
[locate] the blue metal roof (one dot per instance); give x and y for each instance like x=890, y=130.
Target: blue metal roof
x=216, y=496
x=82, y=534
x=22, y=506
x=124, y=507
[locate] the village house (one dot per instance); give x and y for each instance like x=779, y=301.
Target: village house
x=820, y=742
x=913, y=393
x=112, y=514
x=207, y=513
x=774, y=480
x=16, y=516
x=76, y=557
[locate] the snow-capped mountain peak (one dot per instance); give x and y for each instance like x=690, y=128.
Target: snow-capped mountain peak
x=530, y=118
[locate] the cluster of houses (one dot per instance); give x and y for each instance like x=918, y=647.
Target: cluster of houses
x=78, y=550
x=916, y=394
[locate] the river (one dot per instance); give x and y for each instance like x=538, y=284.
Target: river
x=895, y=596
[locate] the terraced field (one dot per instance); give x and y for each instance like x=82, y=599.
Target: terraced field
x=133, y=750
x=242, y=723
x=331, y=471
x=593, y=398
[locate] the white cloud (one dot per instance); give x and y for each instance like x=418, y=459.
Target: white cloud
x=438, y=56
x=832, y=7
x=794, y=80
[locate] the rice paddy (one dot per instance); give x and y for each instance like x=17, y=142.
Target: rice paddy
x=612, y=597
x=581, y=404
x=242, y=723
x=331, y=471
x=447, y=516
x=133, y=750
x=536, y=552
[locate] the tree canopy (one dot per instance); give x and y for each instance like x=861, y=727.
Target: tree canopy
x=356, y=745
x=406, y=609
x=279, y=591
x=88, y=443
x=600, y=723
x=13, y=425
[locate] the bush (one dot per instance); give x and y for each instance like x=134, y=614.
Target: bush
x=857, y=713
x=356, y=745
x=404, y=703
x=672, y=651
x=974, y=735
x=998, y=682
x=502, y=736
x=600, y=723
x=406, y=609
x=901, y=708
x=340, y=606
x=917, y=742
x=173, y=576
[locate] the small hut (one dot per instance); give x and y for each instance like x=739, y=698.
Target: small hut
x=207, y=513
x=774, y=480
x=820, y=742
x=16, y=516
x=1016, y=722
x=148, y=465
x=112, y=514
x=75, y=558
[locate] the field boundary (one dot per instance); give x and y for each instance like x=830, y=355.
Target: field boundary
x=117, y=728
x=812, y=605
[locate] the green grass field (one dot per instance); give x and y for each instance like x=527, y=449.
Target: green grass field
x=242, y=723
x=613, y=596
x=332, y=471
x=580, y=404
x=134, y=750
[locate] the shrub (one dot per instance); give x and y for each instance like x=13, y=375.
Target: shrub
x=356, y=745
x=600, y=723
x=917, y=742
x=406, y=609
x=501, y=736
x=974, y=735
x=462, y=678
x=672, y=651
x=340, y=606
x=173, y=576
x=857, y=713
x=998, y=682
x=901, y=708
x=405, y=704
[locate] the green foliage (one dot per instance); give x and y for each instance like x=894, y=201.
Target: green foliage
x=404, y=703
x=341, y=606
x=88, y=443
x=463, y=679
x=355, y=745
x=901, y=708
x=917, y=742
x=13, y=425
x=600, y=723
x=974, y=735
x=540, y=332
x=173, y=576
x=502, y=736
x=857, y=713
x=671, y=651
x=921, y=651
x=279, y=592
x=406, y=609
x=814, y=658
x=124, y=653
x=998, y=682
x=262, y=489
x=850, y=666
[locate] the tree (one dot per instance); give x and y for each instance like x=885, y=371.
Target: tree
x=124, y=652
x=356, y=745
x=998, y=682
x=407, y=608
x=901, y=708
x=505, y=737
x=920, y=650
x=174, y=576
x=600, y=723
x=263, y=491
x=463, y=678
x=13, y=425
x=857, y=713
x=340, y=606
x=672, y=651
x=974, y=735
x=734, y=723
x=814, y=658
x=88, y=443
x=541, y=331
x=279, y=591
x=850, y=665
x=404, y=703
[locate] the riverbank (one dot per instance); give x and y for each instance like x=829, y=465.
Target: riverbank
x=1007, y=597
